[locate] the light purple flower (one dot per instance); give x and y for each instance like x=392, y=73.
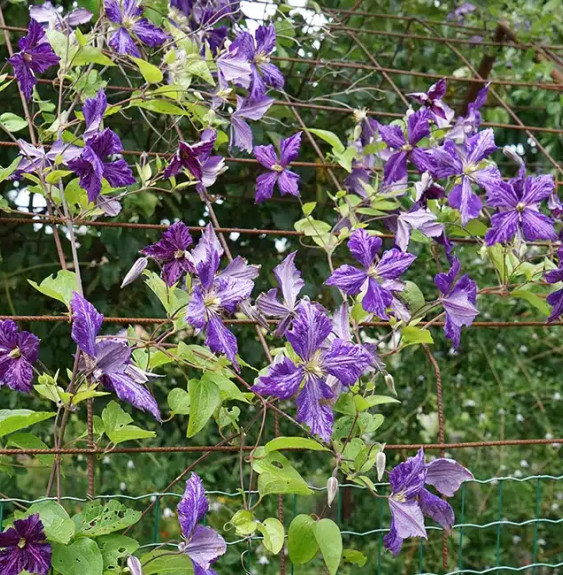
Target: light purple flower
x=417, y=219
x=93, y=111
x=432, y=100
x=203, y=545
x=108, y=360
x=426, y=189
x=35, y=57
x=360, y=175
x=232, y=67
x=555, y=299
x=127, y=14
x=134, y=565
x=46, y=13
x=469, y=124
x=378, y=278
x=287, y=181
x=171, y=252
x=290, y=282
x=35, y=159
x=464, y=162
x=459, y=14
x=247, y=109
x=25, y=548
x=217, y=293
x=409, y=501
x=519, y=200
x=319, y=356
x=92, y=165
x=458, y=298
x=19, y=350
x=403, y=148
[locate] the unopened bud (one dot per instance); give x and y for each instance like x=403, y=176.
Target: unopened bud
x=380, y=462
x=511, y=153
x=331, y=489
x=135, y=271
x=390, y=383
x=134, y=565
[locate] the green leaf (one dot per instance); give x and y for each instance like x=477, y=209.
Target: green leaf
x=412, y=296
x=205, y=398
x=329, y=540
x=87, y=394
x=91, y=55
x=179, y=401
x=533, y=299
x=114, y=548
x=414, y=335
x=301, y=540
x=83, y=557
x=354, y=557
x=9, y=170
x=227, y=388
x=277, y=475
x=201, y=357
x=329, y=138
x=309, y=207
x=150, y=72
x=161, y=562
x=345, y=404
x=316, y=229
x=281, y=443
x=58, y=526
x=345, y=158
x=172, y=298
x=97, y=519
x=30, y=441
x=12, y=122
x=117, y=428
x=160, y=107
x=273, y=532
x=59, y=287
x=244, y=523
x=15, y=419
x=363, y=403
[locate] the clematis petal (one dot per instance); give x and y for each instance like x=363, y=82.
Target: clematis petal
x=407, y=518
x=310, y=329
x=204, y=548
x=364, y=246
x=446, y=475
x=265, y=186
x=537, y=189
x=465, y=200
x=193, y=506
x=346, y=361
x=438, y=509
x=348, y=278
x=266, y=155
x=289, y=279
x=132, y=392
x=282, y=380
x=86, y=323
x=537, y=226
x=148, y=33
x=220, y=339
x=289, y=149
x=312, y=408
x=122, y=42
x=480, y=146
x=504, y=226
x=393, y=263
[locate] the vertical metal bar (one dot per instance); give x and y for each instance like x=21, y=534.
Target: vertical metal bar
x=499, y=526
x=461, y=520
x=536, y=525
x=1, y=514
x=156, y=525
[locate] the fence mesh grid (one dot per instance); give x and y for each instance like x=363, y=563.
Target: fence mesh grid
x=311, y=71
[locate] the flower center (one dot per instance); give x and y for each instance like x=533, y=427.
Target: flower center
x=314, y=365
x=399, y=497
x=469, y=169
x=277, y=168
x=22, y=543
x=27, y=57
x=179, y=254
x=15, y=353
x=212, y=301
x=520, y=207
x=261, y=58
x=372, y=272
x=406, y=148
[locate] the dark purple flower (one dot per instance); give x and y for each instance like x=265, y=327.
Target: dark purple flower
x=360, y=175
x=555, y=299
x=92, y=165
x=35, y=57
x=458, y=298
x=409, y=501
x=379, y=277
x=404, y=148
x=25, y=548
x=93, y=111
x=257, y=51
x=319, y=356
x=241, y=133
x=432, y=100
x=108, y=360
x=127, y=14
x=417, y=219
x=171, y=252
x=217, y=293
x=19, y=350
x=36, y=159
x=287, y=181
x=468, y=125
x=290, y=282
x=426, y=189
x=464, y=162
x=203, y=545
x=519, y=199
x=46, y=13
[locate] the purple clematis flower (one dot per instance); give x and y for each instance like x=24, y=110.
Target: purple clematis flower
x=555, y=299
x=25, y=548
x=217, y=293
x=379, y=277
x=432, y=100
x=458, y=298
x=19, y=350
x=319, y=357
x=519, y=198
x=36, y=159
x=108, y=360
x=287, y=181
x=417, y=219
x=93, y=111
x=46, y=13
x=290, y=282
x=410, y=501
x=426, y=189
x=468, y=125
x=464, y=162
x=360, y=175
x=459, y=14
x=171, y=252
x=35, y=57
x=203, y=545
x=257, y=51
x=92, y=165
x=127, y=14
x=241, y=133
x=404, y=148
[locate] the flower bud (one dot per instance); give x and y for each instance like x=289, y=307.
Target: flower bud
x=511, y=153
x=380, y=462
x=390, y=383
x=134, y=565
x=134, y=272
x=331, y=489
